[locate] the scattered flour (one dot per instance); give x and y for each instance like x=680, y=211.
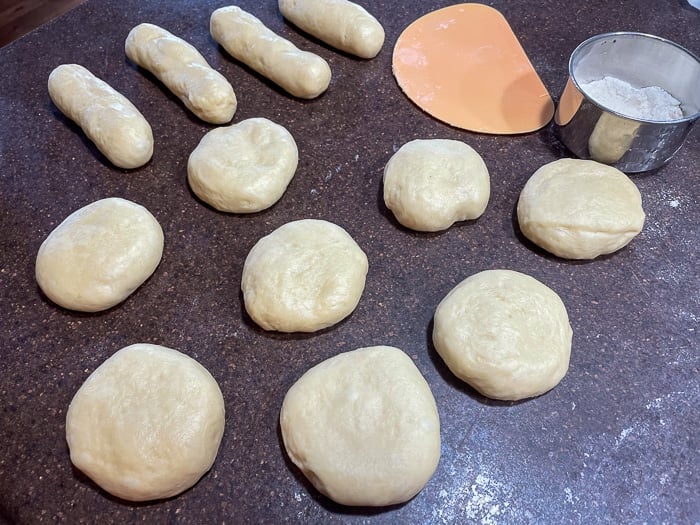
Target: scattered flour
x=483, y=500
x=647, y=103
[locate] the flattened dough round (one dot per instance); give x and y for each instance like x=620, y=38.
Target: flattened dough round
x=363, y=427
x=505, y=333
x=580, y=209
x=99, y=255
x=243, y=168
x=304, y=276
x=429, y=184
x=146, y=424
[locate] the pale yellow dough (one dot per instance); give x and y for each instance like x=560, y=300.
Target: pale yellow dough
x=341, y=24
x=99, y=255
x=184, y=71
x=246, y=38
x=611, y=138
x=429, y=184
x=245, y=167
x=107, y=117
x=363, y=427
x=580, y=209
x=146, y=424
x=505, y=333
x=304, y=276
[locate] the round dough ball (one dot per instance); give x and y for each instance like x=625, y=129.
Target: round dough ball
x=146, y=424
x=505, y=333
x=99, y=255
x=580, y=209
x=243, y=168
x=431, y=184
x=363, y=427
x=304, y=276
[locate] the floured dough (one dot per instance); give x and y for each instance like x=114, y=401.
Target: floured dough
x=304, y=276
x=431, y=184
x=99, y=255
x=580, y=209
x=243, y=168
x=146, y=424
x=505, y=333
x=363, y=427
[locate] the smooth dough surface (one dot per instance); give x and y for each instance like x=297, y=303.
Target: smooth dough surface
x=504, y=333
x=107, y=117
x=429, y=184
x=304, y=276
x=245, y=167
x=246, y=38
x=99, y=255
x=146, y=424
x=341, y=24
x=580, y=209
x=363, y=427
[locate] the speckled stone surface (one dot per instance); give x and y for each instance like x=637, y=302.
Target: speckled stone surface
x=615, y=442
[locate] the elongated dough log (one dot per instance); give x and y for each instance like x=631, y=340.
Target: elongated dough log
x=247, y=39
x=106, y=116
x=184, y=71
x=339, y=23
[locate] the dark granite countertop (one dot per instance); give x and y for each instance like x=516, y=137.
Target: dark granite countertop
x=617, y=440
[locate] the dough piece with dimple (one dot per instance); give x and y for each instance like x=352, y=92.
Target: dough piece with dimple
x=580, y=209
x=363, y=427
x=505, y=333
x=146, y=424
x=246, y=38
x=184, y=71
x=341, y=24
x=107, y=117
x=431, y=184
x=304, y=276
x=245, y=167
x=99, y=255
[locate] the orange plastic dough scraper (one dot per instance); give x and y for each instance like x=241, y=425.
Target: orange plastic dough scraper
x=464, y=65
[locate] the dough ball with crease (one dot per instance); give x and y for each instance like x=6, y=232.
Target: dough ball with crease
x=146, y=424
x=304, y=276
x=429, y=184
x=580, y=209
x=504, y=333
x=363, y=427
x=243, y=168
x=99, y=255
